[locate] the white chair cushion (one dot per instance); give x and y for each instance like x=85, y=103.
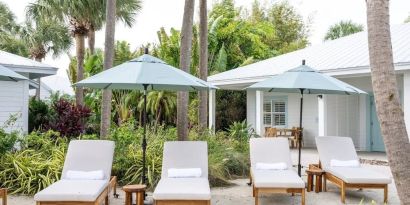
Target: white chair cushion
x=72, y=190
x=276, y=179
x=182, y=189
x=359, y=175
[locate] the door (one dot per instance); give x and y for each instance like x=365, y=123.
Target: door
x=376, y=140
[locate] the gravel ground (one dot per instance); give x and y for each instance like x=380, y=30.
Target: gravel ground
x=241, y=194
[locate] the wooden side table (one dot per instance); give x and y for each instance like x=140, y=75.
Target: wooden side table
x=3, y=196
x=138, y=189
x=318, y=174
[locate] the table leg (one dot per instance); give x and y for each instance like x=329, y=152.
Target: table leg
x=140, y=197
x=317, y=188
x=320, y=183
x=310, y=182
x=128, y=198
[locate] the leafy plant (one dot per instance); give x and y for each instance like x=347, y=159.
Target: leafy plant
x=38, y=114
x=69, y=118
x=239, y=130
x=7, y=141
x=36, y=166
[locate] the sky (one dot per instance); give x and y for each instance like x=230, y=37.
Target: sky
x=168, y=13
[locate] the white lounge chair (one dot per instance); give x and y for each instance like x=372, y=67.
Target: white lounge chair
x=82, y=156
x=273, y=151
x=184, y=190
x=342, y=149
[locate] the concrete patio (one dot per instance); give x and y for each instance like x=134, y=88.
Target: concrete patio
x=241, y=194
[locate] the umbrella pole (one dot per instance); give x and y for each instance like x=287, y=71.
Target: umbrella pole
x=301, y=132
x=144, y=140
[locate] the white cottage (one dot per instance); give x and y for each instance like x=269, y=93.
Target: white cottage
x=14, y=96
x=347, y=59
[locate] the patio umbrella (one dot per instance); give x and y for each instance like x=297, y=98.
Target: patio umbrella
x=305, y=80
x=145, y=73
x=9, y=75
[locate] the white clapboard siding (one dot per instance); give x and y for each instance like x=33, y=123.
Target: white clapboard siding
x=343, y=117
x=14, y=101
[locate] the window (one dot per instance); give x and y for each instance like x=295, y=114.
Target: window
x=274, y=113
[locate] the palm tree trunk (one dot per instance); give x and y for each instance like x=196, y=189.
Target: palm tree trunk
x=108, y=63
x=91, y=40
x=389, y=110
x=203, y=64
x=39, y=82
x=185, y=61
x=79, y=91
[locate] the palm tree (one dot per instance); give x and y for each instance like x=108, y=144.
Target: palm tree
x=203, y=63
x=161, y=105
x=45, y=37
x=80, y=15
x=389, y=110
x=9, y=31
x=343, y=28
x=185, y=61
x=126, y=11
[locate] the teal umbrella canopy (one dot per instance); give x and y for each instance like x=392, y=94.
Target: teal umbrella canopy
x=308, y=79
x=9, y=75
x=145, y=70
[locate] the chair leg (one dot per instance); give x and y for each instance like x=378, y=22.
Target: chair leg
x=343, y=193
x=5, y=197
x=107, y=201
x=253, y=191
x=324, y=184
x=386, y=192
x=303, y=196
x=256, y=197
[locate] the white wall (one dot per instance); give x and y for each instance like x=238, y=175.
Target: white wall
x=406, y=100
x=343, y=117
x=44, y=93
x=14, y=101
x=310, y=115
x=250, y=108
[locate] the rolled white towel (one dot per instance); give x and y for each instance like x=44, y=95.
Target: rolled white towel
x=84, y=175
x=184, y=173
x=271, y=166
x=344, y=163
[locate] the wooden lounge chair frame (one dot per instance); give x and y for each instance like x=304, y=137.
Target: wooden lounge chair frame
x=343, y=186
x=182, y=202
x=102, y=197
x=256, y=191
x=3, y=196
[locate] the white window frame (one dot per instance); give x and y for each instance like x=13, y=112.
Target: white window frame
x=272, y=114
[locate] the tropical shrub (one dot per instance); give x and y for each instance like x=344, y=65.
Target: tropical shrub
x=7, y=141
x=40, y=160
x=38, y=114
x=36, y=166
x=69, y=119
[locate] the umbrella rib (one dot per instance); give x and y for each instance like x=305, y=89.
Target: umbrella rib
x=14, y=79
x=107, y=86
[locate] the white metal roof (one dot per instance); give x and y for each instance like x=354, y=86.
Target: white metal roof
x=24, y=65
x=343, y=56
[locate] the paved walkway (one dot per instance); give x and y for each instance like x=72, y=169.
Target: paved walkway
x=241, y=194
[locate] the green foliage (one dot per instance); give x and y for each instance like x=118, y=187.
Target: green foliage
x=7, y=141
x=38, y=114
x=35, y=167
x=239, y=130
x=40, y=160
x=341, y=29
